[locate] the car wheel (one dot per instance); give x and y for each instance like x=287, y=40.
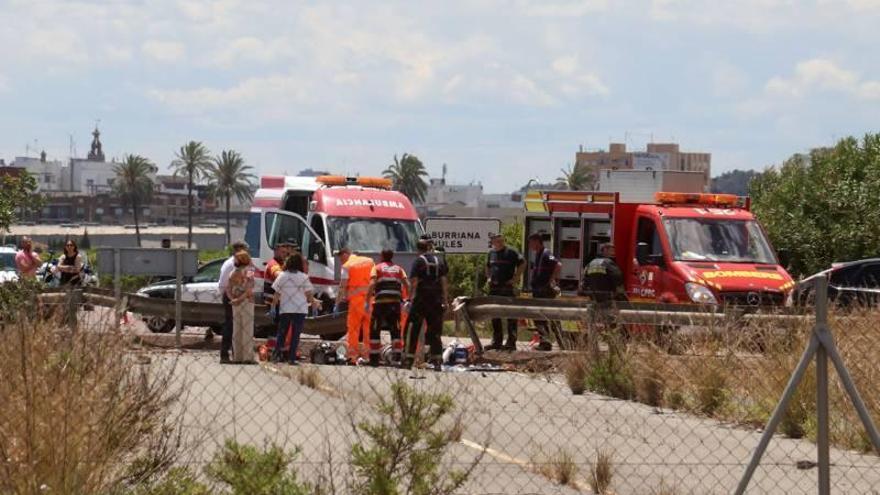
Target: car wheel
x=157, y=324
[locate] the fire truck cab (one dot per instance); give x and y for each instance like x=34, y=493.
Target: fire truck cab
x=324, y=214
x=682, y=248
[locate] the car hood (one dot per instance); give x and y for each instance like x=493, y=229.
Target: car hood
x=737, y=277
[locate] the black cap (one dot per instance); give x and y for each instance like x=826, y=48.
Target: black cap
x=539, y=236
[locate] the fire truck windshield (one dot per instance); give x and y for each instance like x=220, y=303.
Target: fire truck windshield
x=733, y=241
x=372, y=235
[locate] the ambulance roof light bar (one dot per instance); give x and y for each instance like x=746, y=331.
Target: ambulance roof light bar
x=703, y=199
x=341, y=180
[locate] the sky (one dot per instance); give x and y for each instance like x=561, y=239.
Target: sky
x=502, y=91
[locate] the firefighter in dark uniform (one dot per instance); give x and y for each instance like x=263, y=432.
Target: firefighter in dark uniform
x=429, y=301
x=543, y=281
x=603, y=279
x=504, y=268
x=388, y=284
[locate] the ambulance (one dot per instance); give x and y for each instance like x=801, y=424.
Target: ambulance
x=324, y=214
x=681, y=248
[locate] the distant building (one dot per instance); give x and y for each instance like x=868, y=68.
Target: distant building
x=657, y=156
x=50, y=174
x=440, y=194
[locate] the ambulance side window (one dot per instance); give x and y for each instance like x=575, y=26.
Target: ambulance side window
x=318, y=227
x=316, y=250
x=283, y=228
x=647, y=233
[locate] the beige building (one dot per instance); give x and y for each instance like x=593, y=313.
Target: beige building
x=657, y=156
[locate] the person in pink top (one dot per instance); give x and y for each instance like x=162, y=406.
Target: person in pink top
x=26, y=260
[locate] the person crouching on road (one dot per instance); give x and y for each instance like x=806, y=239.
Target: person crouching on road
x=388, y=284
x=504, y=269
x=240, y=291
x=353, y=286
x=225, y=271
x=544, y=282
x=430, y=291
x=294, y=293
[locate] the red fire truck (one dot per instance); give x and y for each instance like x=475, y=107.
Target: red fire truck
x=682, y=248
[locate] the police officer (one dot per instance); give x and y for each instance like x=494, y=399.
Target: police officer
x=504, y=268
x=388, y=284
x=603, y=279
x=544, y=280
x=430, y=292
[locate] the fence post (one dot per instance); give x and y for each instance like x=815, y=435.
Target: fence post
x=117, y=285
x=178, y=294
x=822, y=434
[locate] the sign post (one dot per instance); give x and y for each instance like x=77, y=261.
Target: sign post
x=466, y=235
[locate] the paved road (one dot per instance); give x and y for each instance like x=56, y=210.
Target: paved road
x=515, y=415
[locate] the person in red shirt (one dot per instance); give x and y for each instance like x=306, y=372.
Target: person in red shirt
x=26, y=260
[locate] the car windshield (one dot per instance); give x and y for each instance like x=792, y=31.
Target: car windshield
x=372, y=235
x=7, y=262
x=735, y=241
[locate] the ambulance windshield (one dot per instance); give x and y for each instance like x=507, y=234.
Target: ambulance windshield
x=372, y=235
x=733, y=241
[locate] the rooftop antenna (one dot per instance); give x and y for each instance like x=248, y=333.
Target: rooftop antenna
x=72, y=145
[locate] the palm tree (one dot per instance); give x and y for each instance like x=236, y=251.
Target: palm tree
x=193, y=160
x=576, y=179
x=406, y=176
x=228, y=176
x=134, y=185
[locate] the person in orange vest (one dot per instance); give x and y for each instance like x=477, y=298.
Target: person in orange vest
x=353, y=287
x=388, y=286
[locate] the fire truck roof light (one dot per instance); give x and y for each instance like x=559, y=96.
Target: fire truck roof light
x=729, y=200
x=341, y=180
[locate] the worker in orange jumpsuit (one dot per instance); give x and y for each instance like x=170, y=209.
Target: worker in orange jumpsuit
x=353, y=288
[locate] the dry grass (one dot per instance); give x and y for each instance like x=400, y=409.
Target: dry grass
x=602, y=472
x=309, y=376
x=81, y=413
x=559, y=467
x=650, y=381
x=575, y=368
x=737, y=374
x=664, y=489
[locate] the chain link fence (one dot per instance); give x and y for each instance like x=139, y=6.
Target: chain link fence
x=641, y=409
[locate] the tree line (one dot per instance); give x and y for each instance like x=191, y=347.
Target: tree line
x=226, y=176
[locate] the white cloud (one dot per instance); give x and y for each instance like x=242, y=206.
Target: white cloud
x=273, y=93
x=560, y=8
x=164, y=51
x=59, y=45
x=250, y=49
x=822, y=75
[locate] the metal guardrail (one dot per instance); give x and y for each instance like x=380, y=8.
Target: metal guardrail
x=206, y=313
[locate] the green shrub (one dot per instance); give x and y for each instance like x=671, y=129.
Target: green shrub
x=247, y=470
x=177, y=481
x=403, y=451
x=610, y=375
